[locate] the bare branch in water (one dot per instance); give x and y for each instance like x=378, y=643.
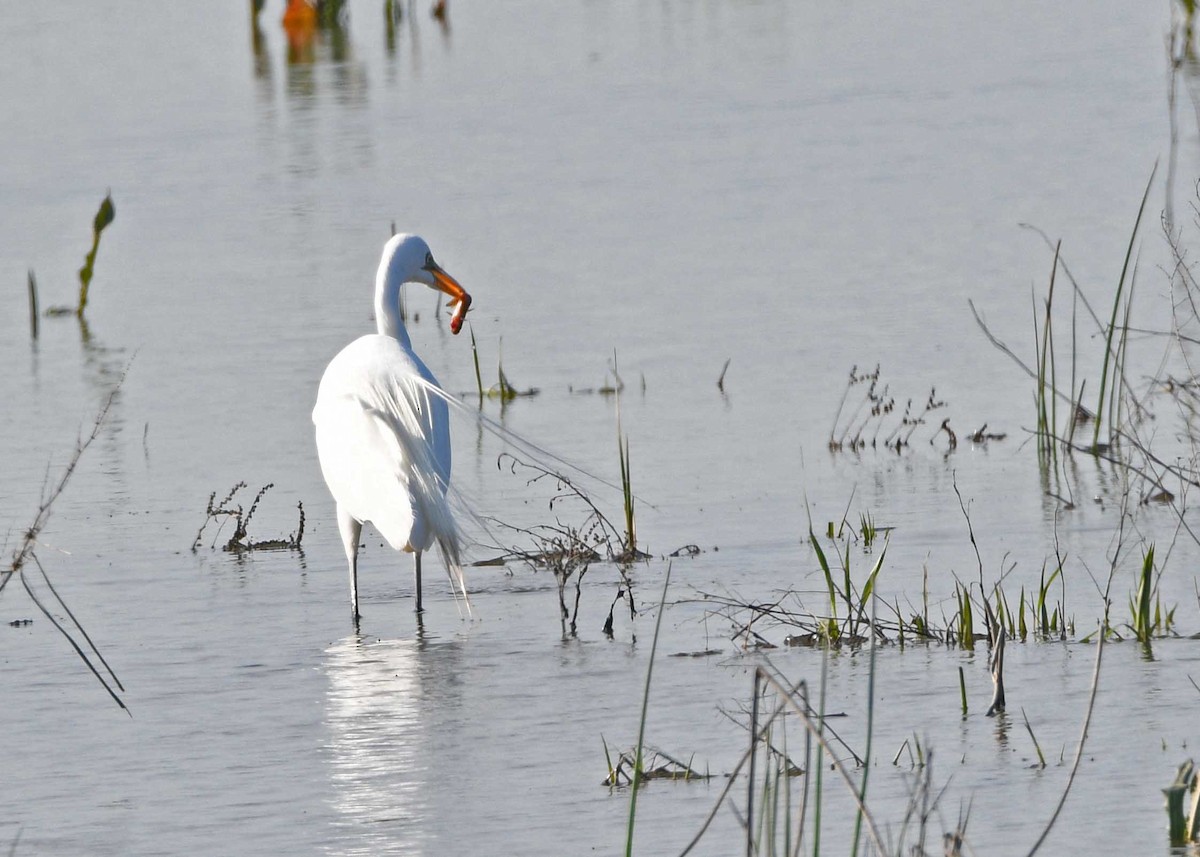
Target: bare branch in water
x=25, y=553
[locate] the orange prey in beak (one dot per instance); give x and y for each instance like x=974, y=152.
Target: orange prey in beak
x=459, y=299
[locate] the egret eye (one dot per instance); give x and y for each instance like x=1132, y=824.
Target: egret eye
x=429, y=263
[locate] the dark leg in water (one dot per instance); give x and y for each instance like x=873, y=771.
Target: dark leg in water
x=417, y=567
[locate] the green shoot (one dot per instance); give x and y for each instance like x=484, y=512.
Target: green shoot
x=1143, y=625
x=104, y=216
x=626, y=488
x=1036, y=746
x=867, y=529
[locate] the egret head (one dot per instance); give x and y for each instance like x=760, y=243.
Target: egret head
x=408, y=259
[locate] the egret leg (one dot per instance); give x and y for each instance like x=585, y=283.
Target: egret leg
x=417, y=571
x=350, y=528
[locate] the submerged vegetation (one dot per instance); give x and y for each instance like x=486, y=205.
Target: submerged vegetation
x=579, y=535
x=873, y=422
x=1106, y=417
x=240, y=541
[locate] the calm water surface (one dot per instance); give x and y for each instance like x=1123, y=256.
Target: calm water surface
x=797, y=190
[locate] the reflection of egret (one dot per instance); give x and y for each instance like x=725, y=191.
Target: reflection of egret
x=375, y=721
x=383, y=431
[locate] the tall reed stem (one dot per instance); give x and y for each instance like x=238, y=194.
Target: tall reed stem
x=637, y=765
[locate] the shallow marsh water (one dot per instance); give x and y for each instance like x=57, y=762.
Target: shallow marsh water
x=796, y=190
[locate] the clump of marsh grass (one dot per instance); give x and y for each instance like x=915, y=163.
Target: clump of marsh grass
x=1111, y=414
x=658, y=765
x=599, y=539
x=240, y=541
x=1148, y=618
x=838, y=614
x=564, y=547
x=629, y=552
x=849, y=629
x=1035, y=614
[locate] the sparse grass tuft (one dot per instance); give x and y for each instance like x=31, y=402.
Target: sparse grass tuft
x=659, y=765
x=631, y=549
x=1148, y=619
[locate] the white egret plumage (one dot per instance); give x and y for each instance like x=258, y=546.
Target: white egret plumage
x=382, y=426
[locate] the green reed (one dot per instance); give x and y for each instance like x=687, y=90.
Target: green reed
x=1114, y=358
x=1148, y=618
x=626, y=489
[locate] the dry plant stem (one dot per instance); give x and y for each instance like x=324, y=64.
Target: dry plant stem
x=33, y=305
x=79, y=627
x=754, y=732
x=43, y=513
x=26, y=550
x=1183, y=476
x=1109, y=355
x=1008, y=351
x=1078, y=292
x=998, y=702
x=637, y=767
x=1087, y=720
x=815, y=731
x=78, y=650
x=974, y=544
x=732, y=778
x=862, y=795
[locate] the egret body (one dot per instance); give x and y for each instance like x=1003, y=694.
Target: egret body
x=382, y=425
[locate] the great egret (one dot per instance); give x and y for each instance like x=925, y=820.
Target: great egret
x=382, y=425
